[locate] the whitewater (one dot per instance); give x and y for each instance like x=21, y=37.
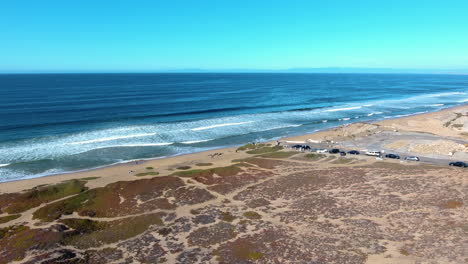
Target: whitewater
x=54, y=124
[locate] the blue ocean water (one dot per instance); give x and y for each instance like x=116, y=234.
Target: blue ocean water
x=53, y=123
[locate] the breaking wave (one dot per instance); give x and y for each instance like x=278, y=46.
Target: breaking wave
x=220, y=125
x=111, y=138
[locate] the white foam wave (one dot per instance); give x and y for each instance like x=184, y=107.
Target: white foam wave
x=343, y=109
x=196, y=141
x=129, y=146
x=463, y=101
x=411, y=114
x=324, y=121
x=374, y=113
x=445, y=94
x=4, y=165
x=368, y=105
x=434, y=105
x=286, y=126
x=279, y=127
x=141, y=145
x=220, y=125
x=345, y=119
x=111, y=138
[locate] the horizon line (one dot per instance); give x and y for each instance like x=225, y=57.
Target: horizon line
x=324, y=70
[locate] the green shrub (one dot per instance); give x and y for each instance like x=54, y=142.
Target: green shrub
x=89, y=178
x=147, y=173
x=8, y=218
x=314, y=156
x=263, y=150
x=20, y=202
x=246, y=147
x=252, y=215
x=204, y=164
x=278, y=155
x=227, y=216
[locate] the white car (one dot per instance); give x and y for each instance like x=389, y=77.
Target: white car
x=321, y=150
x=413, y=158
x=373, y=153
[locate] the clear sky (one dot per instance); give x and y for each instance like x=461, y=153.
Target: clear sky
x=118, y=35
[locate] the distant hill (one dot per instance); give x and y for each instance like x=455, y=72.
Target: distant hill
x=378, y=70
x=328, y=70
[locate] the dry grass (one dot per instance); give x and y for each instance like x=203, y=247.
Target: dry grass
x=451, y=204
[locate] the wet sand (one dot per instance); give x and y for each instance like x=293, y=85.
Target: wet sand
x=432, y=123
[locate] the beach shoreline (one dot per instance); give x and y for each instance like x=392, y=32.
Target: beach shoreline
x=217, y=198
x=124, y=171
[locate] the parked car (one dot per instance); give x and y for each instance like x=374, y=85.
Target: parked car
x=296, y=146
x=412, y=158
x=342, y=153
x=354, y=152
x=392, y=156
x=373, y=153
x=459, y=164
x=334, y=151
x=321, y=151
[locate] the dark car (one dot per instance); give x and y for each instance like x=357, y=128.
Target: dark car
x=296, y=146
x=459, y=164
x=354, y=152
x=392, y=156
x=334, y=151
x=342, y=153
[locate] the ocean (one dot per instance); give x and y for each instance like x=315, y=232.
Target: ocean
x=55, y=123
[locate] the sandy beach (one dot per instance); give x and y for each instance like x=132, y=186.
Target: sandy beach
x=259, y=203
x=433, y=123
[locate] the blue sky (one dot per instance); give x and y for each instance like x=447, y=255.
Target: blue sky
x=117, y=35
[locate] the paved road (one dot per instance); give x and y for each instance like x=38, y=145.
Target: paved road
x=377, y=142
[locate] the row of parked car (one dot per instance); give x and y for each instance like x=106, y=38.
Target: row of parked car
x=369, y=153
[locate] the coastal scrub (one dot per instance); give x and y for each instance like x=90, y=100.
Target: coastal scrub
x=20, y=202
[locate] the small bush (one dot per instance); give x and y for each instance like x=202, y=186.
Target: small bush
x=89, y=178
x=147, y=173
x=255, y=255
x=404, y=252
x=188, y=173
x=246, y=147
x=263, y=150
x=342, y=161
x=227, y=216
x=278, y=155
x=452, y=204
x=8, y=218
x=252, y=215
x=204, y=164
x=149, y=168
x=194, y=211
x=184, y=168
x=314, y=156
